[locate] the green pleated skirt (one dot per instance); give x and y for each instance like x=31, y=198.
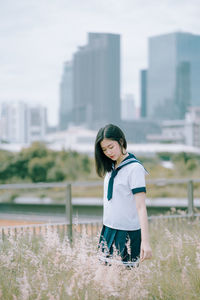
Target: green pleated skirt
x=115, y=243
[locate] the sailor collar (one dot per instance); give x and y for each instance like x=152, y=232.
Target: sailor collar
x=128, y=160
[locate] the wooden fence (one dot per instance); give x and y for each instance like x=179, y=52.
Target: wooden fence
x=190, y=189
x=69, y=227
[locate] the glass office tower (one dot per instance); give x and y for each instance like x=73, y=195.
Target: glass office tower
x=96, y=80
x=173, y=75
x=66, y=97
x=143, y=93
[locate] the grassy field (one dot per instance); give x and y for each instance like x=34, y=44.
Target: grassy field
x=47, y=267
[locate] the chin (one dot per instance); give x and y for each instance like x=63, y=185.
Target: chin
x=113, y=159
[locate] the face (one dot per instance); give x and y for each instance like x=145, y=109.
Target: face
x=111, y=149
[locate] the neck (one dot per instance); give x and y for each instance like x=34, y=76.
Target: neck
x=120, y=159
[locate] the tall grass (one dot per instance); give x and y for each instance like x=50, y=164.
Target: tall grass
x=45, y=266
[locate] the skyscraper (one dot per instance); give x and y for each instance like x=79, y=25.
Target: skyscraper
x=143, y=93
x=96, y=80
x=173, y=75
x=21, y=123
x=36, y=123
x=14, y=122
x=66, y=97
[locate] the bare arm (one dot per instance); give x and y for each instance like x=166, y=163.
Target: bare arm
x=145, y=251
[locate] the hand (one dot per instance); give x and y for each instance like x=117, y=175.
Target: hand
x=145, y=251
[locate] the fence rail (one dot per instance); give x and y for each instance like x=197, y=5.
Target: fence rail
x=190, y=188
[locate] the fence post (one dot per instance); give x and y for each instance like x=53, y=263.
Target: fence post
x=190, y=198
x=68, y=210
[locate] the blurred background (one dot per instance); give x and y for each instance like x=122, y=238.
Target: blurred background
x=69, y=67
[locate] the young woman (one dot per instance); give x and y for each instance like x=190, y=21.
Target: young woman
x=125, y=216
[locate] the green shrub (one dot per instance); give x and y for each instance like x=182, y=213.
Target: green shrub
x=37, y=170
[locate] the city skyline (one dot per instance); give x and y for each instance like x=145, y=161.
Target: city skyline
x=173, y=81
x=38, y=37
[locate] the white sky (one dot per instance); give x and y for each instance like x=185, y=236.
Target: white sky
x=38, y=36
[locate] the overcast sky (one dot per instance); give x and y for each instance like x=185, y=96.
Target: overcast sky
x=38, y=36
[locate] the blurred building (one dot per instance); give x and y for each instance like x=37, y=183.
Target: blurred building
x=185, y=131
x=13, y=120
x=91, y=96
x=173, y=75
x=74, y=138
x=143, y=93
x=192, y=127
x=36, y=123
x=66, y=97
x=20, y=123
x=128, y=109
x=82, y=140
x=136, y=131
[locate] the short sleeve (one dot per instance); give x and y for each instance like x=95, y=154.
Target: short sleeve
x=136, y=178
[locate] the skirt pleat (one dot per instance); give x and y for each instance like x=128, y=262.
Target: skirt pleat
x=126, y=243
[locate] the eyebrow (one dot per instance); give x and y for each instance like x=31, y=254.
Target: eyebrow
x=103, y=148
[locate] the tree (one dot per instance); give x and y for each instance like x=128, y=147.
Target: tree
x=37, y=170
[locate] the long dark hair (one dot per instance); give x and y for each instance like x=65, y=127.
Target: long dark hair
x=111, y=132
